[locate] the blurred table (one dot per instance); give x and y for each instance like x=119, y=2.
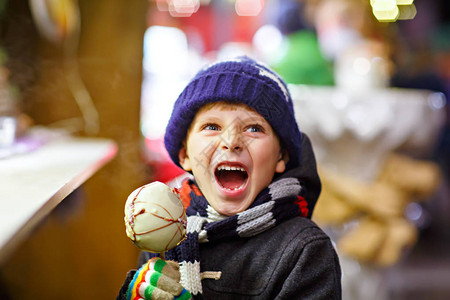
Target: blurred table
x=34, y=183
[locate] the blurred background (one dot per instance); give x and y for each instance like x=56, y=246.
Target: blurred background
x=369, y=79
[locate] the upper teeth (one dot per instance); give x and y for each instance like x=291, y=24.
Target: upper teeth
x=229, y=168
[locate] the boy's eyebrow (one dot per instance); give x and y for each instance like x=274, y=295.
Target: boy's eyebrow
x=202, y=119
x=254, y=118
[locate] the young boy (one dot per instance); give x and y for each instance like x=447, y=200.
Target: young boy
x=249, y=233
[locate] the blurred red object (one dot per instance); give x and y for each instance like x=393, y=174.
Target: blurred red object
x=159, y=161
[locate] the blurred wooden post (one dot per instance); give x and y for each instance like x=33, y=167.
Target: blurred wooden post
x=84, y=252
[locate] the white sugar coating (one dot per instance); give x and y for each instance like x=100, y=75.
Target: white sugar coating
x=155, y=217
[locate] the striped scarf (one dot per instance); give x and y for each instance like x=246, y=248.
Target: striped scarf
x=278, y=202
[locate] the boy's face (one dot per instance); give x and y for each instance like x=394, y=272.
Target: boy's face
x=233, y=154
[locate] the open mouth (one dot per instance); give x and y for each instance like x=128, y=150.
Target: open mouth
x=231, y=177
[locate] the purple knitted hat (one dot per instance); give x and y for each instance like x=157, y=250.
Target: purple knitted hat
x=241, y=80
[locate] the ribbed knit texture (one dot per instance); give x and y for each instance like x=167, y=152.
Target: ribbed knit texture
x=280, y=201
x=240, y=80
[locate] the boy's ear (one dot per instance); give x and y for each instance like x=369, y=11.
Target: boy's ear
x=185, y=162
x=283, y=159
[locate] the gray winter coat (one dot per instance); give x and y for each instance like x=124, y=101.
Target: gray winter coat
x=294, y=260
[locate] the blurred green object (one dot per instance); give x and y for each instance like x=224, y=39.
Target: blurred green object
x=2, y=7
x=441, y=38
x=300, y=60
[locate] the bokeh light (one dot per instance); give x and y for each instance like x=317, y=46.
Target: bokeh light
x=183, y=8
x=385, y=10
x=393, y=10
x=249, y=7
x=266, y=33
x=407, y=12
x=404, y=2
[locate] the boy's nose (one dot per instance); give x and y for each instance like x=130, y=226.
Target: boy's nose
x=231, y=141
x=231, y=147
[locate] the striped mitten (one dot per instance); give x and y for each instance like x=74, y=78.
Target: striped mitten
x=157, y=280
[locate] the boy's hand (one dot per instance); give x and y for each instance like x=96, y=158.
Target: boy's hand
x=157, y=280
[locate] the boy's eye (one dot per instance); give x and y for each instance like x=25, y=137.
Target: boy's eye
x=254, y=128
x=210, y=126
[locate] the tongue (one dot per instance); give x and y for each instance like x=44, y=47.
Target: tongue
x=231, y=179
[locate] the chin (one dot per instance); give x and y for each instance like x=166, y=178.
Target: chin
x=230, y=209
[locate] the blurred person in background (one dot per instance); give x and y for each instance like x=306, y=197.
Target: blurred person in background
x=300, y=59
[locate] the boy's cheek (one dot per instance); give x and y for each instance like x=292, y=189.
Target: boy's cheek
x=203, y=149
